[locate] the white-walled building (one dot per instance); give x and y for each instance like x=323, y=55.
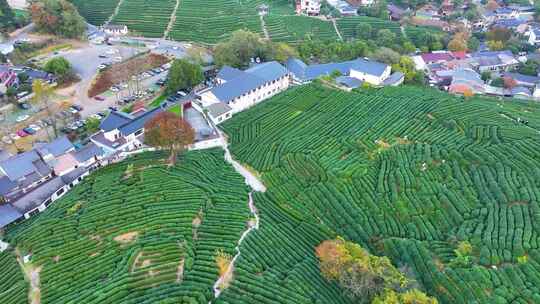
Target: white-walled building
x=115, y=30
x=372, y=72
x=238, y=90
x=308, y=7
x=122, y=132
x=534, y=36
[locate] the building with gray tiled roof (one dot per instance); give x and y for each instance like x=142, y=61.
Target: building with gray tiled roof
x=372, y=72
x=240, y=90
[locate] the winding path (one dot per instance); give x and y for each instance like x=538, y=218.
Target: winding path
x=333, y=20
x=255, y=184
x=172, y=20
x=265, y=30
x=116, y=10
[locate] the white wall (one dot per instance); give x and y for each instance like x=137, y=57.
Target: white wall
x=371, y=79
x=259, y=94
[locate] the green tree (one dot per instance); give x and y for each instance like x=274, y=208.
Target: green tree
x=360, y=274
x=387, y=56
x=7, y=17
x=241, y=48
x=282, y=51
x=407, y=67
x=386, y=38
x=364, y=31
x=42, y=94
x=486, y=76
x=529, y=68
x=413, y=296
x=473, y=43
x=92, y=125
x=60, y=67
x=184, y=75
x=58, y=17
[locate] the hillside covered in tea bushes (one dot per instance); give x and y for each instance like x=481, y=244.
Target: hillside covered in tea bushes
x=406, y=172
x=134, y=232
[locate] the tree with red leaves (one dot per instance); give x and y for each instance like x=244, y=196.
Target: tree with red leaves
x=169, y=131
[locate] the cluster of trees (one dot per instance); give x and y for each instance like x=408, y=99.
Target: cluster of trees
x=58, y=17
x=61, y=68
x=364, y=277
x=7, y=17
x=243, y=46
x=183, y=75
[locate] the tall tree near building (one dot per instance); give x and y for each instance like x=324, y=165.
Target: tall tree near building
x=7, y=17
x=169, y=132
x=458, y=42
x=184, y=75
x=58, y=17
x=42, y=94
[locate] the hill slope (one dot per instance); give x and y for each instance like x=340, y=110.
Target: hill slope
x=406, y=172
x=138, y=232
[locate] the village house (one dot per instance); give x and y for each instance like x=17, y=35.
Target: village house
x=358, y=3
x=122, y=132
x=115, y=29
x=372, y=72
x=395, y=12
x=237, y=90
x=31, y=181
x=308, y=7
x=491, y=61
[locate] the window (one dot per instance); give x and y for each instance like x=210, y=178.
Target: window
x=139, y=132
x=59, y=192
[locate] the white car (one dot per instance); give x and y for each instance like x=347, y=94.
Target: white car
x=22, y=118
x=115, y=89
x=14, y=136
x=98, y=117
x=7, y=140
x=34, y=127
x=117, y=59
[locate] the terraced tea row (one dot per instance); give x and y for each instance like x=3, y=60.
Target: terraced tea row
x=146, y=18
x=13, y=287
x=139, y=232
x=96, y=12
x=406, y=172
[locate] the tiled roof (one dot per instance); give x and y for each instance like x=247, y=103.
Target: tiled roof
x=248, y=80
x=138, y=122
x=228, y=73
x=310, y=72
x=87, y=152
x=114, y=120
x=8, y=215
x=20, y=165
x=349, y=82
x=6, y=185
x=56, y=147
x=218, y=109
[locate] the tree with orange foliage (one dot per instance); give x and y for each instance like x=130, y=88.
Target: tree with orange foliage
x=362, y=275
x=468, y=93
x=492, y=5
x=459, y=42
x=509, y=82
x=58, y=17
x=366, y=278
x=168, y=131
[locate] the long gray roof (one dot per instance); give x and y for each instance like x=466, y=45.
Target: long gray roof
x=8, y=215
x=228, y=73
x=87, y=152
x=248, y=80
x=138, y=122
x=310, y=72
x=36, y=197
x=20, y=165
x=57, y=147
x=114, y=120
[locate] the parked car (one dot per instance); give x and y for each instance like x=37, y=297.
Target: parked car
x=29, y=131
x=113, y=109
x=7, y=140
x=99, y=98
x=35, y=127
x=181, y=93
x=96, y=116
x=77, y=107
x=73, y=111
x=21, y=133
x=22, y=118
x=102, y=56
x=101, y=114
x=115, y=89
x=24, y=106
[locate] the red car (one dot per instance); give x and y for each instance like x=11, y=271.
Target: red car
x=21, y=133
x=99, y=98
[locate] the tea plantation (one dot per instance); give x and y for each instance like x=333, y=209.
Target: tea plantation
x=407, y=172
x=134, y=232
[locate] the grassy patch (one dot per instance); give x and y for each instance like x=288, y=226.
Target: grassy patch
x=158, y=101
x=177, y=109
